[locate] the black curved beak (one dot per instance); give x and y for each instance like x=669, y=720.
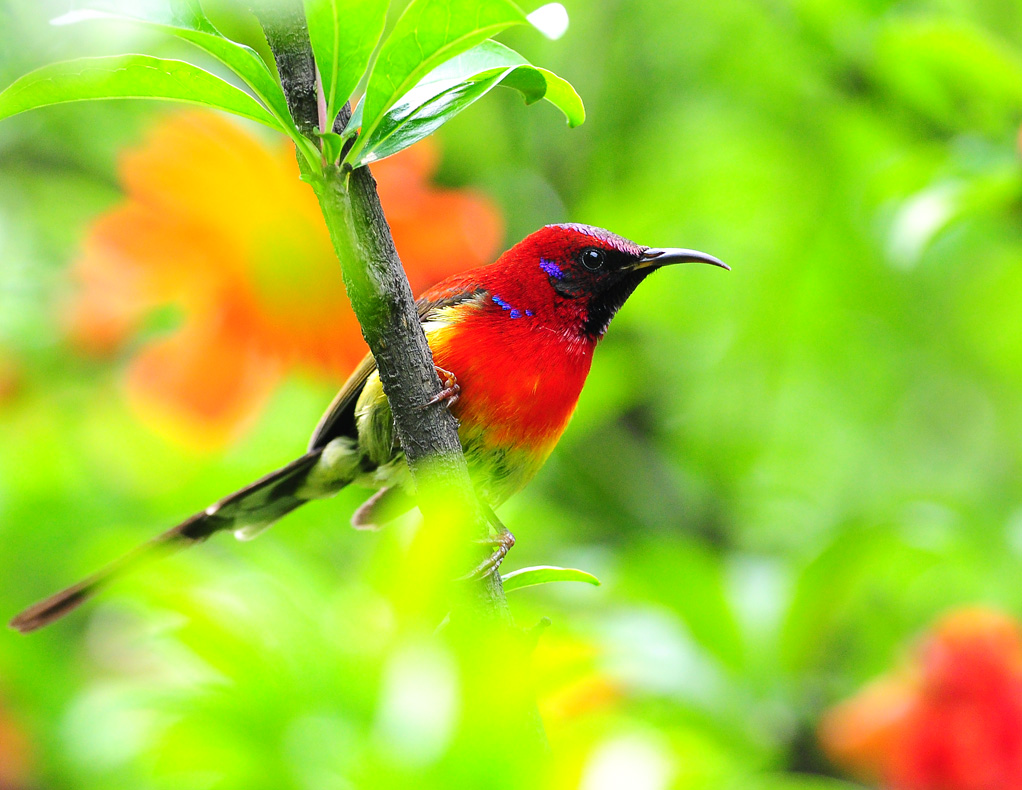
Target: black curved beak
x=662, y=256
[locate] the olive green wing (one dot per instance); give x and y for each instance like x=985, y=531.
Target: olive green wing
x=339, y=418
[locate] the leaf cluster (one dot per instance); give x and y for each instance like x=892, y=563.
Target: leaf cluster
x=438, y=59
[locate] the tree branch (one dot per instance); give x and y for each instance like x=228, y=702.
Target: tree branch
x=284, y=26
x=382, y=300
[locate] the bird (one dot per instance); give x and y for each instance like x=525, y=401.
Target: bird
x=512, y=342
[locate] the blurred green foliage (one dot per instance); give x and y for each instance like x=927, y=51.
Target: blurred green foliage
x=779, y=475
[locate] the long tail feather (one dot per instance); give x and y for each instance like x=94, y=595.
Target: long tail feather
x=251, y=509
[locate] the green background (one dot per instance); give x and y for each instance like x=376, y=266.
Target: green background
x=781, y=475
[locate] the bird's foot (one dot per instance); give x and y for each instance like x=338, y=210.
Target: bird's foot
x=502, y=543
x=451, y=391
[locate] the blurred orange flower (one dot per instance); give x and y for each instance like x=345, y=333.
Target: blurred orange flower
x=10, y=377
x=217, y=225
x=951, y=719
x=570, y=683
x=14, y=755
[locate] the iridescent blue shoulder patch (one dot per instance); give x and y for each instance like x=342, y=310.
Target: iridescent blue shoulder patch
x=551, y=268
x=505, y=305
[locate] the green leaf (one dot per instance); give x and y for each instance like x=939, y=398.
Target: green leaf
x=356, y=119
x=407, y=123
x=454, y=86
x=191, y=25
x=344, y=34
x=543, y=574
x=561, y=94
x=197, y=30
x=428, y=33
x=332, y=145
x=128, y=77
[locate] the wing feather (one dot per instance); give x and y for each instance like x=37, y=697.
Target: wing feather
x=339, y=418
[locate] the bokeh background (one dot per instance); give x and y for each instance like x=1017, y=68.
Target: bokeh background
x=793, y=480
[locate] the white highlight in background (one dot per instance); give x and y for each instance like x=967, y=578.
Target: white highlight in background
x=551, y=20
x=419, y=705
x=919, y=219
x=633, y=761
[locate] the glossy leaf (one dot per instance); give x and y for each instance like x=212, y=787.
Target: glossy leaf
x=411, y=122
x=332, y=144
x=129, y=77
x=562, y=94
x=196, y=29
x=534, y=83
x=428, y=33
x=453, y=87
x=191, y=25
x=344, y=34
x=544, y=574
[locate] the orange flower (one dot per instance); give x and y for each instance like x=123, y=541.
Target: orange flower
x=949, y=720
x=217, y=225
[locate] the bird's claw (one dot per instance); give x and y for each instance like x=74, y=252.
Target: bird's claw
x=451, y=391
x=502, y=543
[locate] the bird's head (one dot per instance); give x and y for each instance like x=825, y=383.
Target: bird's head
x=579, y=275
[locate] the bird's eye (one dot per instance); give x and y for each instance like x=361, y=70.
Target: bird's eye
x=593, y=259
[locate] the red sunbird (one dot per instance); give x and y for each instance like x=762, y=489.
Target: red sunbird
x=512, y=342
